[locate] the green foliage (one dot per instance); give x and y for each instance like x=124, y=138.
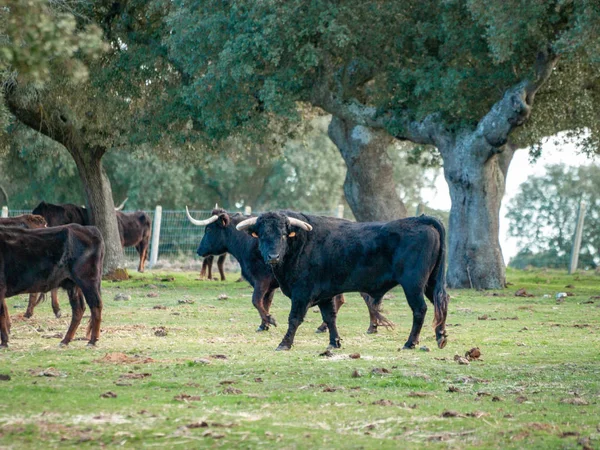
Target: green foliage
x=543, y=216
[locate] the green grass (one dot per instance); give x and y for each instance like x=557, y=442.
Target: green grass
x=536, y=354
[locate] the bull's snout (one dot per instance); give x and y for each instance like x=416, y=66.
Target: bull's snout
x=273, y=258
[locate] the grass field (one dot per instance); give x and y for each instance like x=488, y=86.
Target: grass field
x=178, y=367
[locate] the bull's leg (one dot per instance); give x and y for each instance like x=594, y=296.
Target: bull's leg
x=338, y=301
x=4, y=320
x=33, y=301
x=329, y=313
x=267, y=300
x=261, y=291
x=297, y=314
x=55, y=304
x=220, y=263
x=416, y=301
x=78, y=308
x=94, y=301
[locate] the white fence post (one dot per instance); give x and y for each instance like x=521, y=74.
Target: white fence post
x=247, y=210
x=4, y=211
x=577, y=238
x=155, y=236
x=340, y=212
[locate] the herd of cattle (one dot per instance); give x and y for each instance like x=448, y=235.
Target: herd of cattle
x=314, y=260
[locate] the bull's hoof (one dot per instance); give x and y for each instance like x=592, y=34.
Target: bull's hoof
x=441, y=342
x=3, y=346
x=28, y=315
x=409, y=346
x=334, y=346
x=283, y=347
x=91, y=345
x=321, y=329
x=262, y=328
x=372, y=330
x=63, y=344
x=58, y=314
x=272, y=321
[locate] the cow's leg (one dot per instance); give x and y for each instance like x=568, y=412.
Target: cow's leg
x=33, y=301
x=92, y=296
x=338, y=301
x=142, y=249
x=375, y=317
x=261, y=292
x=329, y=313
x=416, y=301
x=206, y=262
x=220, y=263
x=4, y=319
x=55, y=304
x=78, y=308
x=297, y=314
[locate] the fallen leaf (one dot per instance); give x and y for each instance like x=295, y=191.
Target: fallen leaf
x=327, y=354
x=159, y=307
x=522, y=293
x=477, y=414
x=4, y=377
x=575, y=401
x=218, y=356
x=135, y=376
x=356, y=374
x=453, y=389
x=152, y=294
x=232, y=390
x=484, y=317
x=495, y=398
x=521, y=399
x=187, y=398
x=472, y=354
x=565, y=434
x=449, y=413
x=202, y=424
x=420, y=394
x=160, y=331
x=461, y=360
x=224, y=382
x=108, y=394
x=379, y=371
x=166, y=279
x=383, y=402
x=355, y=356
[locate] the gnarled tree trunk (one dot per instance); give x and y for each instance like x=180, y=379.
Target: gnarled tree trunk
x=476, y=190
x=369, y=186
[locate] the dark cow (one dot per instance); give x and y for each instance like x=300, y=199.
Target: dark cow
x=29, y=221
x=315, y=258
x=68, y=256
x=222, y=236
x=135, y=229
x=207, y=267
x=32, y=221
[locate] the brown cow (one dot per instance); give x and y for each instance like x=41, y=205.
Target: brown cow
x=135, y=229
x=207, y=266
x=32, y=221
x=39, y=260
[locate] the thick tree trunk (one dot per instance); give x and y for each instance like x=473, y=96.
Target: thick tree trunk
x=476, y=189
x=369, y=186
x=101, y=208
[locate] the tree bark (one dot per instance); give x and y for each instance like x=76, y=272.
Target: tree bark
x=369, y=186
x=476, y=190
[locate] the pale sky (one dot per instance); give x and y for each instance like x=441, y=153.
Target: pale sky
x=520, y=169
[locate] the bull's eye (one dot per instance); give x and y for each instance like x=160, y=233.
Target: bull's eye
x=254, y=235
x=292, y=234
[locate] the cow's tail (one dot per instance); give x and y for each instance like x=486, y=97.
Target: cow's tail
x=437, y=280
x=41, y=298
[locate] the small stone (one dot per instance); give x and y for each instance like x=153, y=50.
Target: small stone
x=461, y=360
x=120, y=296
x=108, y=394
x=424, y=349
x=185, y=302
x=223, y=297
x=160, y=331
x=202, y=361
x=152, y=294
x=356, y=374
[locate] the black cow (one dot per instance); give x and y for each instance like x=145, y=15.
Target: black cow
x=32, y=221
x=207, y=266
x=222, y=236
x=39, y=260
x=315, y=258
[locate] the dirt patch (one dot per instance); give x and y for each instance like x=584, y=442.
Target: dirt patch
x=122, y=358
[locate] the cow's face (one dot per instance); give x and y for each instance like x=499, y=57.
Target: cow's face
x=274, y=232
x=214, y=240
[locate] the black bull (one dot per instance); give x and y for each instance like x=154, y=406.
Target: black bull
x=221, y=236
x=39, y=260
x=315, y=258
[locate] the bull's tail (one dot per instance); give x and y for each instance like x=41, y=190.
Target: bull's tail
x=375, y=312
x=437, y=280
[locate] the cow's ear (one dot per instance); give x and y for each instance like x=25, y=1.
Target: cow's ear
x=225, y=219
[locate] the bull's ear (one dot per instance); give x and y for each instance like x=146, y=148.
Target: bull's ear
x=253, y=234
x=292, y=234
x=225, y=219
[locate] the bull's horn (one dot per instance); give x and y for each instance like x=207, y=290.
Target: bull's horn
x=298, y=223
x=120, y=207
x=200, y=223
x=246, y=223
x=216, y=206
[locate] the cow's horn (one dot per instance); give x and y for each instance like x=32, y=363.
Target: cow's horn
x=120, y=207
x=200, y=223
x=298, y=223
x=246, y=223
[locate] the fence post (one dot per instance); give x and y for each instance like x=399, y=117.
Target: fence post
x=4, y=211
x=247, y=210
x=577, y=238
x=340, y=212
x=155, y=236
